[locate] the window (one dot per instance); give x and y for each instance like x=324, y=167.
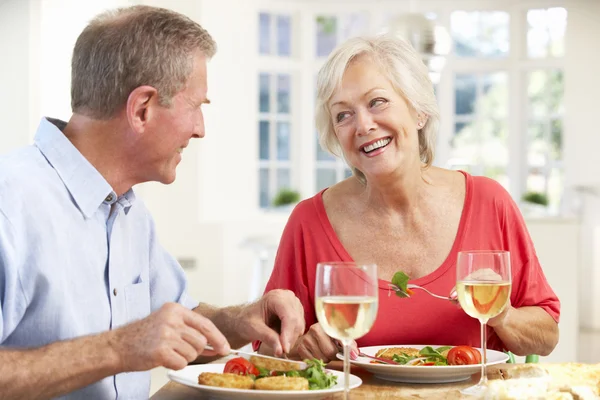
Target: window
x=274, y=106
x=480, y=33
x=482, y=74
x=330, y=31
x=479, y=144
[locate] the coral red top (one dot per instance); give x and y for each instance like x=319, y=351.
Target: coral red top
x=490, y=220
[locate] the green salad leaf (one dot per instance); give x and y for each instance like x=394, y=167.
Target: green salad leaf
x=315, y=374
x=400, y=279
x=430, y=354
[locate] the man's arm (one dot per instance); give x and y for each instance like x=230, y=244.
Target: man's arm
x=526, y=330
x=58, y=368
x=277, y=319
x=170, y=337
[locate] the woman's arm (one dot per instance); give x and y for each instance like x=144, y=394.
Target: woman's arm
x=526, y=330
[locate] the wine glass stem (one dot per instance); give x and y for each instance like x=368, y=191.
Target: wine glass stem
x=483, y=380
x=346, y=369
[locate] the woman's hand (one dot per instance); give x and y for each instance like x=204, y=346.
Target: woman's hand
x=316, y=344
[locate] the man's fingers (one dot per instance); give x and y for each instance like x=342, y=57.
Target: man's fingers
x=209, y=330
x=291, y=329
x=197, y=340
x=269, y=337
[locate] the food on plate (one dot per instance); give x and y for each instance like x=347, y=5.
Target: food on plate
x=274, y=365
x=258, y=377
x=389, y=352
x=545, y=381
x=281, y=383
x=241, y=366
x=430, y=356
x=227, y=380
x=463, y=355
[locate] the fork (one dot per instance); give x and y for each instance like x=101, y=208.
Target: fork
x=452, y=297
x=378, y=359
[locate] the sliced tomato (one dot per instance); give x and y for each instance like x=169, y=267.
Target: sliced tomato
x=463, y=355
x=240, y=366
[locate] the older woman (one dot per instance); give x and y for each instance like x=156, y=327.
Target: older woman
x=376, y=108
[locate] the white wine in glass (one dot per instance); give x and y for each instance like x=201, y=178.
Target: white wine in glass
x=346, y=299
x=483, y=285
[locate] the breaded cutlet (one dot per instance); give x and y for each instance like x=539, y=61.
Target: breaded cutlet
x=388, y=352
x=275, y=365
x=281, y=383
x=227, y=380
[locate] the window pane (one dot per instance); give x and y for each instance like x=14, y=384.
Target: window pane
x=264, y=33
x=466, y=92
x=494, y=37
x=284, y=35
x=480, y=34
x=537, y=145
x=546, y=34
x=545, y=91
x=464, y=27
x=325, y=178
x=556, y=130
x=465, y=147
x=283, y=93
x=326, y=35
x=263, y=145
x=322, y=155
x=264, y=97
x=283, y=178
x=264, y=187
x=494, y=148
x=494, y=102
x=354, y=25
x=283, y=141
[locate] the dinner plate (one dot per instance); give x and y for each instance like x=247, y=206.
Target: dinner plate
x=189, y=377
x=422, y=374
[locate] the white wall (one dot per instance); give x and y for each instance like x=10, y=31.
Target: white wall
x=582, y=144
x=19, y=45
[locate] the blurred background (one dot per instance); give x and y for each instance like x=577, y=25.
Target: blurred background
x=517, y=82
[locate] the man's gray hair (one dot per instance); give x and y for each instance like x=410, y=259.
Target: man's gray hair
x=126, y=48
x=405, y=69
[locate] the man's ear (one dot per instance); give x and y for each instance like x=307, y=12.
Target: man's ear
x=140, y=105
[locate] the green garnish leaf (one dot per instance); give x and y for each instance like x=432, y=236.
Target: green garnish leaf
x=400, y=280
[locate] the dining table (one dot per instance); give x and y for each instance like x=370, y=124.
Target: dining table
x=371, y=388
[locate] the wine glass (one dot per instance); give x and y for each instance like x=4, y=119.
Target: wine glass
x=483, y=284
x=346, y=299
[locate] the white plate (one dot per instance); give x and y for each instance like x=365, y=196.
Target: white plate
x=189, y=376
x=415, y=374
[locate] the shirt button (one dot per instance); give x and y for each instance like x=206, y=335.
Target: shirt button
x=115, y=291
x=109, y=198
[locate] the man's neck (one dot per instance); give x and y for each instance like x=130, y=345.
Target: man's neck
x=104, y=144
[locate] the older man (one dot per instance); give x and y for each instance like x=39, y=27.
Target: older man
x=89, y=300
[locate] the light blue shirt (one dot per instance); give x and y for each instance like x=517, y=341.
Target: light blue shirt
x=68, y=265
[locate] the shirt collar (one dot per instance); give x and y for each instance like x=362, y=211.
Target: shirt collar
x=86, y=185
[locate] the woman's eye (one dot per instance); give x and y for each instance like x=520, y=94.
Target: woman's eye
x=341, y=116
x=377, y=102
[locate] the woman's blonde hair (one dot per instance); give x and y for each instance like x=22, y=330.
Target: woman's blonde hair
x=405, y=70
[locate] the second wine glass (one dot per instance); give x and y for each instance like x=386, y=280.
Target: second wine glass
x=483, y=284
x=346, y=300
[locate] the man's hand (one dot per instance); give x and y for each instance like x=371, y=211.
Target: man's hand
x=317, y=344
x=277, y=320
x=170, y=337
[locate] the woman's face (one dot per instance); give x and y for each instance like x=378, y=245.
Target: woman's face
x=375, y=126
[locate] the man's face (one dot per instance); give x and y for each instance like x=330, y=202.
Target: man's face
x=173, y=127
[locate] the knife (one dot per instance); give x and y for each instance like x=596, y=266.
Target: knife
x=247, y=355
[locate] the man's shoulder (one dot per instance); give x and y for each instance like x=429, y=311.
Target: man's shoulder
x=24, y=173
